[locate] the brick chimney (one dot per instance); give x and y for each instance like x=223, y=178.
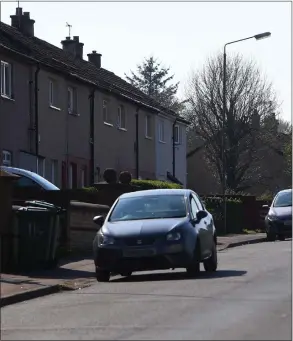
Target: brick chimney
x=22, y=22
x=95, y=58
x=73, y=46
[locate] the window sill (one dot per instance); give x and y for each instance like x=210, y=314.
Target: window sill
x=7, y=98
x=164, y=142
x=148, y=137
x=54, y=108
x=122, y=129
x=73, y=113
x=108, y=124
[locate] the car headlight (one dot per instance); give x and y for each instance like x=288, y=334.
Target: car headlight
x=173, y=236
x=105, y=240
x=272, y=217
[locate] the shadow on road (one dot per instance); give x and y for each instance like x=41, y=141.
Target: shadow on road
x=169, y=276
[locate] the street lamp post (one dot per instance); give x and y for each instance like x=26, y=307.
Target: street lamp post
x=257, y=37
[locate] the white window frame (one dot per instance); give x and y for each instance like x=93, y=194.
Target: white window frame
x=106, y=117
x=148, y=126
x=177, y=135
x=6, y=67
x=53, y=94
x=6, y=158
x=161, y=131
x=120, y=116
x=70, y=100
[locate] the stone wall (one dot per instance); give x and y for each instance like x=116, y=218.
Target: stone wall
x=82, y=227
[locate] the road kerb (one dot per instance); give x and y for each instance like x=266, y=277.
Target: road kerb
x=29, y=294
x=246, y=242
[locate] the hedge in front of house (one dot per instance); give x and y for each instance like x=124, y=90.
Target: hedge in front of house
x=154, y=184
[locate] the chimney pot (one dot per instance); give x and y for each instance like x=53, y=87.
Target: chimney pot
x=22, y=22
x=73, y=46
x=18, y=11
x=95, y=58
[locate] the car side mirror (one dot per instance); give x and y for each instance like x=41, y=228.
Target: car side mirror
x=265, y=206
x=201, y=215
x=99, y=220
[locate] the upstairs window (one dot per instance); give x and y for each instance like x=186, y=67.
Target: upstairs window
x=177, y=134
x=71, y=100
x=53, y=91
x=148, y=127
x=6, y=79
x=106, y=116
x=161, y=131
x=121, y=117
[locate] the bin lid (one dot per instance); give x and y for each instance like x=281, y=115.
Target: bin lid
x=44, y=204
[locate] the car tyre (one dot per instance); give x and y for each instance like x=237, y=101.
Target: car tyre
x=271, y=237
x=211, y=264
x=103, y=275
x=194, y=268
x=126, y=274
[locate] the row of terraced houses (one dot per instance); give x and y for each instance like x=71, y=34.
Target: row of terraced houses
x=68, y=119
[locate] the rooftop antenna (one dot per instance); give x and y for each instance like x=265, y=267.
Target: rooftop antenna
x=69, y=29
x=18, y=14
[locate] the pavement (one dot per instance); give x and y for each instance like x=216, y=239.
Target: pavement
x=248, y=298
x=75, y=274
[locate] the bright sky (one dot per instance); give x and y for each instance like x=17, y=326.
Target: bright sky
x=180, y=34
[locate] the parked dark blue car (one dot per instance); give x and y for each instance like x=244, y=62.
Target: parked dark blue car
x=153, y=230
x=279, y=218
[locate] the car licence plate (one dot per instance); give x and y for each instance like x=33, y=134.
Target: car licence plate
x=138, y=253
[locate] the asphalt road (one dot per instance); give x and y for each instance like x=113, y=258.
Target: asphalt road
x=248, y=299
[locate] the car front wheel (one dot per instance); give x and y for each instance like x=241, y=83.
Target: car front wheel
x=271, y=237
x=103, y=275
x=211, y=264
x=194, y=268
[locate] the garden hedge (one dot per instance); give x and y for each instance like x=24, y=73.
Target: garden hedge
x=154, y=184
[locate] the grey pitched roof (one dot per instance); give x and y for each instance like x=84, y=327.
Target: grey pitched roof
x=58, y=59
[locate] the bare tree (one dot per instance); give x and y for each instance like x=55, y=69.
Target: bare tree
x=250, y=99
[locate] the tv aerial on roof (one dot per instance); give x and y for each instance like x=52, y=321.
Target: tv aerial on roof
x=69, y=29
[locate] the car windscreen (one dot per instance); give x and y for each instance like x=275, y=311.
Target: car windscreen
x=283, y=199
x=149, y=207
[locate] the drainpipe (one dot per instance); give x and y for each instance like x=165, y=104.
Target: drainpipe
x=92, y=136
x=37, y=115
x=173, y=146
x=136, y=145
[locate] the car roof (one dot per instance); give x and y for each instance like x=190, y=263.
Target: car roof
x=151, y=192
x=47, y=185
x=285, y=191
